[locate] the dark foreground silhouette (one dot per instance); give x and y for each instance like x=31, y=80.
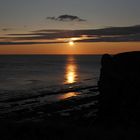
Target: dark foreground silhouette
x=119, y=87
x=119, y=113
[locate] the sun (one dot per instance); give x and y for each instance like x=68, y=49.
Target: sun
x=71, y=43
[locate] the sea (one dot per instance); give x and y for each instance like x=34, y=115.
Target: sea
x=36, y=71
x=29, y=81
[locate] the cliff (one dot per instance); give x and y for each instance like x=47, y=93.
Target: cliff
x=119, y=87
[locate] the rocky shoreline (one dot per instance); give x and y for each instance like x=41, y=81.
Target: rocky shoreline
x=76, y=103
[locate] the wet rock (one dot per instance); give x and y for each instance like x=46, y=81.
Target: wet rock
x=119, y=87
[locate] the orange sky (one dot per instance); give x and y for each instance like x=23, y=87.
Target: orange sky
x=77, y=48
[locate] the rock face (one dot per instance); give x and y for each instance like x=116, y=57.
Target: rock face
x=119, y=87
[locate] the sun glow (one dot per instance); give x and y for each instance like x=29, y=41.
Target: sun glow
x=71, y=43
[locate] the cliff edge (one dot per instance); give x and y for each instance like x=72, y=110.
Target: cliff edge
x=119, y=87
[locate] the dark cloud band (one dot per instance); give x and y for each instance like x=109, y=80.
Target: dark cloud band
x=112, y=34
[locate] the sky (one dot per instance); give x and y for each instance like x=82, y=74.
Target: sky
x=48, y=26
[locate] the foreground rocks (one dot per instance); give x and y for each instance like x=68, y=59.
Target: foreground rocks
x=119, y=86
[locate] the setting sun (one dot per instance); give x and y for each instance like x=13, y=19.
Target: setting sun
x=71, y=43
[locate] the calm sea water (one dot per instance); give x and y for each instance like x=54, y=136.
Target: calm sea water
x=33, y=82
x=39, y=71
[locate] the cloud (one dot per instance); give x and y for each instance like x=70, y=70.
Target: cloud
x=66, y=18
x=111, y=34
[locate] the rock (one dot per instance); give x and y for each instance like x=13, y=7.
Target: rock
x=119, y=87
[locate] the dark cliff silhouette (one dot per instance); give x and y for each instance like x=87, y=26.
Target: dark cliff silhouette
x=119, y=87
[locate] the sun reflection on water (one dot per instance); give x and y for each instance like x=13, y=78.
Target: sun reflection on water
x=71, y=71
x=68, y=95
